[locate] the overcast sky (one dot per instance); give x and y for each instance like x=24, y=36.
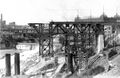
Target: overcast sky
x=26, y=11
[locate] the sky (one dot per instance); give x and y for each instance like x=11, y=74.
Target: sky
x=37, y=11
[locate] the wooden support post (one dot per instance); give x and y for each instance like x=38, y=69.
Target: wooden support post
x=17, y=63
x=8, y=64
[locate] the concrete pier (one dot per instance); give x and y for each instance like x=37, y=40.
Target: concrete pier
x=8, y=64
x=100, y=44
x=17, y=63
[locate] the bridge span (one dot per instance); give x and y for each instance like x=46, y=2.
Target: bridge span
x=79, y=39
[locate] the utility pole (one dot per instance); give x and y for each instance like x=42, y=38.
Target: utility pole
x=0, y=30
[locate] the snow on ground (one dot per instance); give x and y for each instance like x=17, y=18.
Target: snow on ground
x=2, y=63
x=28, y=58
x=23, y=57
x=26, y=54
x=106, y=76
x=113, y=73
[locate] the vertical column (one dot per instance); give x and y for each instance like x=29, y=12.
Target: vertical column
x=100, y=40
x=70, y=62
x=8, y=64
x=17, y=63
x=41, y=47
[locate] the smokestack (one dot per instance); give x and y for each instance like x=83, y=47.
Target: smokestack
x=1, y=20
x=1, y=17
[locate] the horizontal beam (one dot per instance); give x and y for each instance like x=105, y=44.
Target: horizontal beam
x=84, y=22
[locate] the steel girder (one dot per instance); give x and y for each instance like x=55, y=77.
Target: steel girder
x=80, y=39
